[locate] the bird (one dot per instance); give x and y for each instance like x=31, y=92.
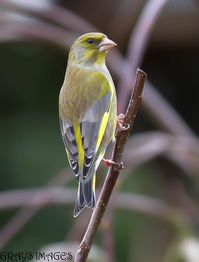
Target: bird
x=87, y=112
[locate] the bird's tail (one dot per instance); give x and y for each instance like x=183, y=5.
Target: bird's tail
x=85, y=196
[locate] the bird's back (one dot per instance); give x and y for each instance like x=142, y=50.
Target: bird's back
x=81, y=88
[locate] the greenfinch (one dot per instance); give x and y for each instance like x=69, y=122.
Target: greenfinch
x=87, y=112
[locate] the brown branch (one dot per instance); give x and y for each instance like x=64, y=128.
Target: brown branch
x=146, y=146
x=140, y=149
x=114, y=170
x=117, y=63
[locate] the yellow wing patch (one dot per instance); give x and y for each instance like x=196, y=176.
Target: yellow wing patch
x=80, y=149
x=102, y=129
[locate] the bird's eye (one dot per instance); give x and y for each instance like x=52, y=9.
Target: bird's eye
x=90, y=41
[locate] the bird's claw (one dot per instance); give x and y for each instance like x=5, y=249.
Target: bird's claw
x=120, y=123
x=109, y=163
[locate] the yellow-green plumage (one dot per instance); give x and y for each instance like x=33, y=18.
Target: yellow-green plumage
x=87, y=111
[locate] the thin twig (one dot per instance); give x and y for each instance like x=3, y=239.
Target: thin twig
x=147, y=145
x=163, y=115
x=140, y=149
x=137, y=45
x=173, y=126
x=23, y=216
x=58, y=195
x=53, y=13
x=119, y=65
x=154, y=104
x=114, y=170
x=43, y=31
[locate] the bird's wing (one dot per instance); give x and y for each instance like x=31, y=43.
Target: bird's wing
x=83, y=138
x=68, y=137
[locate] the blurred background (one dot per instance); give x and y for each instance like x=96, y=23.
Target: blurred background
x=153, y=214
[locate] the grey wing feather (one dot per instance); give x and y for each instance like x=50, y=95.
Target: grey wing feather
x=89, y=127
x=68, y=137
x=97, y=110
x=90, y=134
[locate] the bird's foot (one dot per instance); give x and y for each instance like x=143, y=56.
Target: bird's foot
x=109, y=163
x=120, y=123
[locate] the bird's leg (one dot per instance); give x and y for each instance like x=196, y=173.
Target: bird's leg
x=109, y=163
x=120, y=122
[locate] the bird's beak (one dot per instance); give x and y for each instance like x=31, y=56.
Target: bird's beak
x=106, y=44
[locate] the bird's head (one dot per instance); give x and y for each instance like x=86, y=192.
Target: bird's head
x=90, y=48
